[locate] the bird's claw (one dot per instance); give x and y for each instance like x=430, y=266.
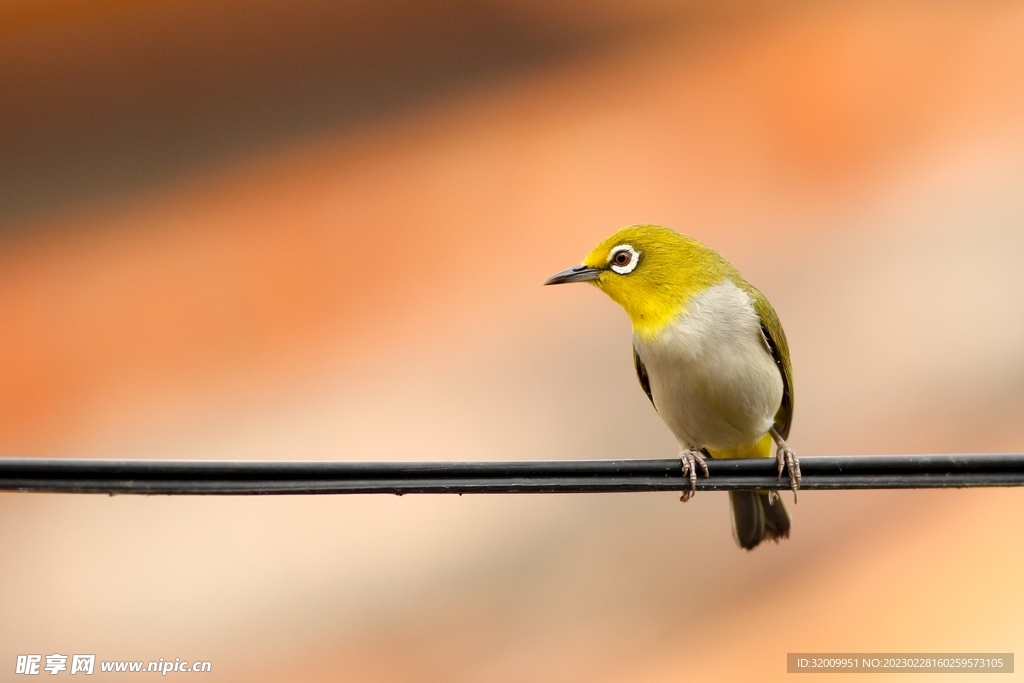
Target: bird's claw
x=788, y=462
x=691, y=460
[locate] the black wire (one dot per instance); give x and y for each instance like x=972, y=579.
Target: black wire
x=193, y=477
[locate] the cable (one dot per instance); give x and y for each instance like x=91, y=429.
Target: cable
x=194, y=477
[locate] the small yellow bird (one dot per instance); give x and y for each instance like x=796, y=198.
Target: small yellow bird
x=710, y=354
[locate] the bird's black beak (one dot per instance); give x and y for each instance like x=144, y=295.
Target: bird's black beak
x=575, y=274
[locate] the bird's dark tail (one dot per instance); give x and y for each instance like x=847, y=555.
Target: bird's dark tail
x=755, y=519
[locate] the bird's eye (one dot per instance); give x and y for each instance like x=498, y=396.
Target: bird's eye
x=623, y=259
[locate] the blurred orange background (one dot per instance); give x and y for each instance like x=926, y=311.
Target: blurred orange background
x=303, y=230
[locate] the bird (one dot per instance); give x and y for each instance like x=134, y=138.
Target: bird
x=710, y=353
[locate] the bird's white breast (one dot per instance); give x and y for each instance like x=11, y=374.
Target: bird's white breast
x=712, y=377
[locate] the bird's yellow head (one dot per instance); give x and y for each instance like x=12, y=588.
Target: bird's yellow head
x=651, y=271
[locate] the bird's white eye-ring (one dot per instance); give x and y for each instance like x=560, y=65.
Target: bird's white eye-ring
x=623, y=259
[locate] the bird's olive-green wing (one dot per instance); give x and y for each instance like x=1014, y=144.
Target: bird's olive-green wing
x=641, y=374
x=775, y=339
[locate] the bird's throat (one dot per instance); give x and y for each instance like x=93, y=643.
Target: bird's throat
x=650, y=313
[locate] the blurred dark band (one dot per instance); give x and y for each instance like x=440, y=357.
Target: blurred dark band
x=183, y=477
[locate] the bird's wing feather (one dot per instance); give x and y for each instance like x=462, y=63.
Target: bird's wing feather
x=778, y=347
x=641, y=374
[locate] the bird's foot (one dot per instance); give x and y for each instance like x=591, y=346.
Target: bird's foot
x=691, y=460
x=787, y=461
